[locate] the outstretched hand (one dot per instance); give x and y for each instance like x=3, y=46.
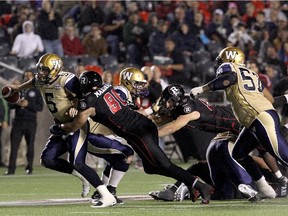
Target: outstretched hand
x=196, y=91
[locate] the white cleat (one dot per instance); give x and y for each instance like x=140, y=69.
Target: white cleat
x=104, y=202
x=247, y=191
x=264, y=193
x=181, y=192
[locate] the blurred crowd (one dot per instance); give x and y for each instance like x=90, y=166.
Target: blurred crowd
x=182, y=38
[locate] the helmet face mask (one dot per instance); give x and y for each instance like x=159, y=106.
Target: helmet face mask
x=134, y=80
x=48, y=67
x=230, y=54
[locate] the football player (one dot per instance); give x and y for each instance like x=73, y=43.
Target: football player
x=197, y=114
x=255, y=112
x=60, y=91
x=104, y=105
x=131, y=87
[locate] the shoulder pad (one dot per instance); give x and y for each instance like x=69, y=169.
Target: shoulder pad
x=224, y=68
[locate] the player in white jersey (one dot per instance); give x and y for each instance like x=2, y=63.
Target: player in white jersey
x=244, y=90
x=60, y=91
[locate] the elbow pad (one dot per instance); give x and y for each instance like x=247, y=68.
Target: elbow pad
x=223, y=81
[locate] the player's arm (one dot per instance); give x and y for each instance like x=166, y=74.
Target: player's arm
x=177, y=124
x=225, y=77
x=27, y=85
x=78, y=121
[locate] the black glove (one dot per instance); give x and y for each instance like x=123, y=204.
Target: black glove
x=57, y=130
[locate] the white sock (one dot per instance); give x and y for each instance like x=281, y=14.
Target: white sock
x=103, y=191
x=105, y=179
x=115, y=177
x=261, y=182
x=278, y=174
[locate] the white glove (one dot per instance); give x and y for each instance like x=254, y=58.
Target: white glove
x=196, y=91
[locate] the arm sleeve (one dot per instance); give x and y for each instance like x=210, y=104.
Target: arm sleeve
x=223, y=81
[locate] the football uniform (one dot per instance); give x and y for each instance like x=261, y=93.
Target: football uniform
x=255, y=113
x=59, y=96
x=140, y=132
x=212, y=118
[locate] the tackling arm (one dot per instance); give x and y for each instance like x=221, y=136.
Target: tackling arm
x=177, y=124
x=78, y=121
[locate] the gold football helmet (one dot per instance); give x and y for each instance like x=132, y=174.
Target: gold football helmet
x=134, y=80
x=230, y=54
x=48, y=67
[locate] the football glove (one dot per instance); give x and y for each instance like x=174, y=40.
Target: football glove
x=196, y=91
x=57, y=130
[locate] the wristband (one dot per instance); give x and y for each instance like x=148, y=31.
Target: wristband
x=148, y=111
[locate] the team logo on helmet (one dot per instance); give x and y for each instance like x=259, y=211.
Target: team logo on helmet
x=56, y=63
x=127, y=75
x=83, y=80
x=230, y=54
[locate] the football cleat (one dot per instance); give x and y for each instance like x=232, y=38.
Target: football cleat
x=105, y=202
x=264, y=193
x=247, y=191
x=112, y=190
x=182, y=192
x=167, y=194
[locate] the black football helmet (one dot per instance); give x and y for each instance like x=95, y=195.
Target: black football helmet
x=173, y=92
x=90, y=81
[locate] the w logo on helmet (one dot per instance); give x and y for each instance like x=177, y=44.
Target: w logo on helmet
x=127, y=75
x=56, y=63
x=230, y=54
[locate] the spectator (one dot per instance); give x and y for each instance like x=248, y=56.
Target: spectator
x=250, y=16
x=94, y=44
x=66, y=8
x=154, y=88
x=240, y=38
x=273, y=12
x=49, y=22
x=232, y=11
x=272, y=73
x=152, y=23
x=27, y=44
x=198, y=24
x=215, y=29
x=135, y=36
x=91, y=13
x=185, y=40
x=165, y=9
x=107, y=77
x=157, y=76
x=16, y=21
x=157, y=38
x=179, y=18
x=4, y=118
x=72, y=45
x=113, y=27
x=25, y=124
x=174, y=69
x=273, y=59
x=258, y=28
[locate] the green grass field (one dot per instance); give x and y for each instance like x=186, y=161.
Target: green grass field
x=47, y=185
